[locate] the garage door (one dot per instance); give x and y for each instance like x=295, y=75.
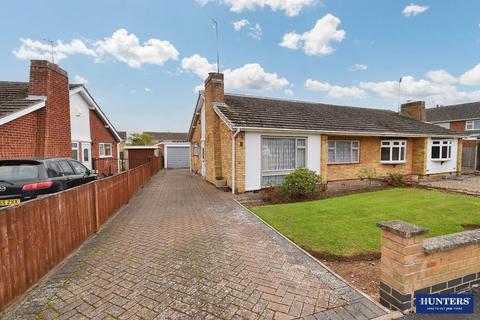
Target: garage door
x=178, y=157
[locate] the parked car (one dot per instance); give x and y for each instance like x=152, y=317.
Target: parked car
x=22, y=180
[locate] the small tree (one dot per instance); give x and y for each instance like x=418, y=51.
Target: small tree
x=301, y=183
x=370, y=174
x=141, y=139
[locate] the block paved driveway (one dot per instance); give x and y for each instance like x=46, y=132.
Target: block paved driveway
x=183, y=250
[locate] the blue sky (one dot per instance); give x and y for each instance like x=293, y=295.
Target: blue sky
x=143, y=59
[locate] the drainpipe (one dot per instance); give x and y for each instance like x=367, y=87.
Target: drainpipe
x=233, y=159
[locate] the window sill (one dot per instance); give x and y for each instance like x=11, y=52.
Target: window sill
x=393, y=162
x=105, y=157
x=337, y=163
x=441, y=160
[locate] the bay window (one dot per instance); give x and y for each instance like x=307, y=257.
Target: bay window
x=441, y=150
x=280, y=156
x=393, y=151
x=343, y=151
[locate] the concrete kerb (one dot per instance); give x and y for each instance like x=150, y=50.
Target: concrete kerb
x=394, y=315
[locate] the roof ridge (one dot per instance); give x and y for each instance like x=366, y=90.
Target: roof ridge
x=304, y=101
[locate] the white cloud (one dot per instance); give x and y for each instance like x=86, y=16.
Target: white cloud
x=126, y=47
x=441, y=76
x=358, y=67
x=79, y=79
x=240, y=24
x=256, y=32
x=472, y=76
x=318, y=40
x=335, y=91
x=413, y=10
x=198, y=65
x=290, y=7
x=410, y=88
x=289, y=92
x=122, y=46
x=253, y=77
x=198, y=88
x=33, y=49
x=147, y=89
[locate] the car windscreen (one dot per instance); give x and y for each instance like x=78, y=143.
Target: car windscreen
x=18, y=171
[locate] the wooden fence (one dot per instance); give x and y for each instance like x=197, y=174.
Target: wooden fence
x=37, y=235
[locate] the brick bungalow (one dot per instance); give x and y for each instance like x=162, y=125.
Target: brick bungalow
x=48, y=117
x=254, y=142
x=463, y=118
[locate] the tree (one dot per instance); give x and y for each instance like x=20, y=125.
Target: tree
x=141, y=139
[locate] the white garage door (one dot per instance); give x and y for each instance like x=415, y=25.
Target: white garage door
x=178, y=157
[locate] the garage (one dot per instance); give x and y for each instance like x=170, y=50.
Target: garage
x=177, y=156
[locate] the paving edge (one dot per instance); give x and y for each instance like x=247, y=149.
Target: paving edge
x=392, y=315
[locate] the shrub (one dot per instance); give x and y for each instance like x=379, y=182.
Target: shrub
x=395, y=179
x=301, y=183
x=273, y=195
x=368, y=173
x=218, y=178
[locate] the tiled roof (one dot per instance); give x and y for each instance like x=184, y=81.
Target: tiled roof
x=123, y=135
x=168, y=136
x=454, y=112
x=256, y=112
x=13, y=97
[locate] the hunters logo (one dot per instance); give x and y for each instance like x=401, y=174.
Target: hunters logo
x=444, y=303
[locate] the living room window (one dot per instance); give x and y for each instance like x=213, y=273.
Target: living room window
x=343, y=151
x=441, y=150
x=393, y=151
x=105, y=150
x=280, y=156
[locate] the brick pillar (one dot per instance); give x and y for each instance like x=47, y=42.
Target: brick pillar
x=324, y=158
x=401, y=243
x=54, y=130
x=459, y=157
x=214, y=93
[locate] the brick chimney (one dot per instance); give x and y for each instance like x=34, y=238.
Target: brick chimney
x=214, y=93
x=54, y=130
x=415, y=109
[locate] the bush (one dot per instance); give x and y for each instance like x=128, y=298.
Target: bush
x=368, y=173
x=395, y=179
x=273, y=195
x=301, y=183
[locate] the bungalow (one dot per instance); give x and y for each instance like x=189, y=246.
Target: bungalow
x=464, y=118
x=254, y=142
x=48, y=117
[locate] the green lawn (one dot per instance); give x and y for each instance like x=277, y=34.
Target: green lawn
x=345, y=226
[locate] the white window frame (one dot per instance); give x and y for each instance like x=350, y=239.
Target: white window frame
x=391, y=144
x=441, y=143
x=77, y=149
x=470, y=125
x=271, y=173
x=101, y=153
x=352, y=148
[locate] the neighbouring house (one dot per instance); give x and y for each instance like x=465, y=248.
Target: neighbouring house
x=463, y=118
x=254, y=142
x=175, y=148
x=48, y=117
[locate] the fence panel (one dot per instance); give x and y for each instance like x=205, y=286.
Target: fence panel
x=38, y=234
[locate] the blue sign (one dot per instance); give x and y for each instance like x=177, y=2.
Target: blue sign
x=445, y=303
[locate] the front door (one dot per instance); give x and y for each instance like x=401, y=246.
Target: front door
x=86, y=155
x=202, y=156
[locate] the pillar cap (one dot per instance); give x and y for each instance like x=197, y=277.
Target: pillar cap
x=402, y=228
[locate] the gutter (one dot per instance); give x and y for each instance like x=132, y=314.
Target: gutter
x=233, y=159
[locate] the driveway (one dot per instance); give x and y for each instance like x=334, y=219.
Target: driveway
x=466, y=184
x=183, y=250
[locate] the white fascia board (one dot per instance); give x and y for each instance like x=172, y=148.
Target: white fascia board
x=21, y=113
x=349, y=133
x=86, y=95
x=141, y=147
x=196, y=113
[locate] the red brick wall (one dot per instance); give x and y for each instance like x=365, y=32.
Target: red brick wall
x=18, y=138
x=100, y=134
x=54, y=130
x=457, y=125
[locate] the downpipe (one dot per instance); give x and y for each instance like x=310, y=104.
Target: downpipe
x=233, y=159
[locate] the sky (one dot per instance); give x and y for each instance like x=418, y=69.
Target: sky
x=145, y=60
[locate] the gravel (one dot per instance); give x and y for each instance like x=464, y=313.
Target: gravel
x=464, y=184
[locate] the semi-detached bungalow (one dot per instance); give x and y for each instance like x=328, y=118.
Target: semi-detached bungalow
x=254, y=142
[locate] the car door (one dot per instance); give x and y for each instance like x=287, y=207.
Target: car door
x=70, y=177
x=55, y=174
x=82, y=171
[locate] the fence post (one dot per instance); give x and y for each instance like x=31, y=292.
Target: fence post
x=97, y=220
